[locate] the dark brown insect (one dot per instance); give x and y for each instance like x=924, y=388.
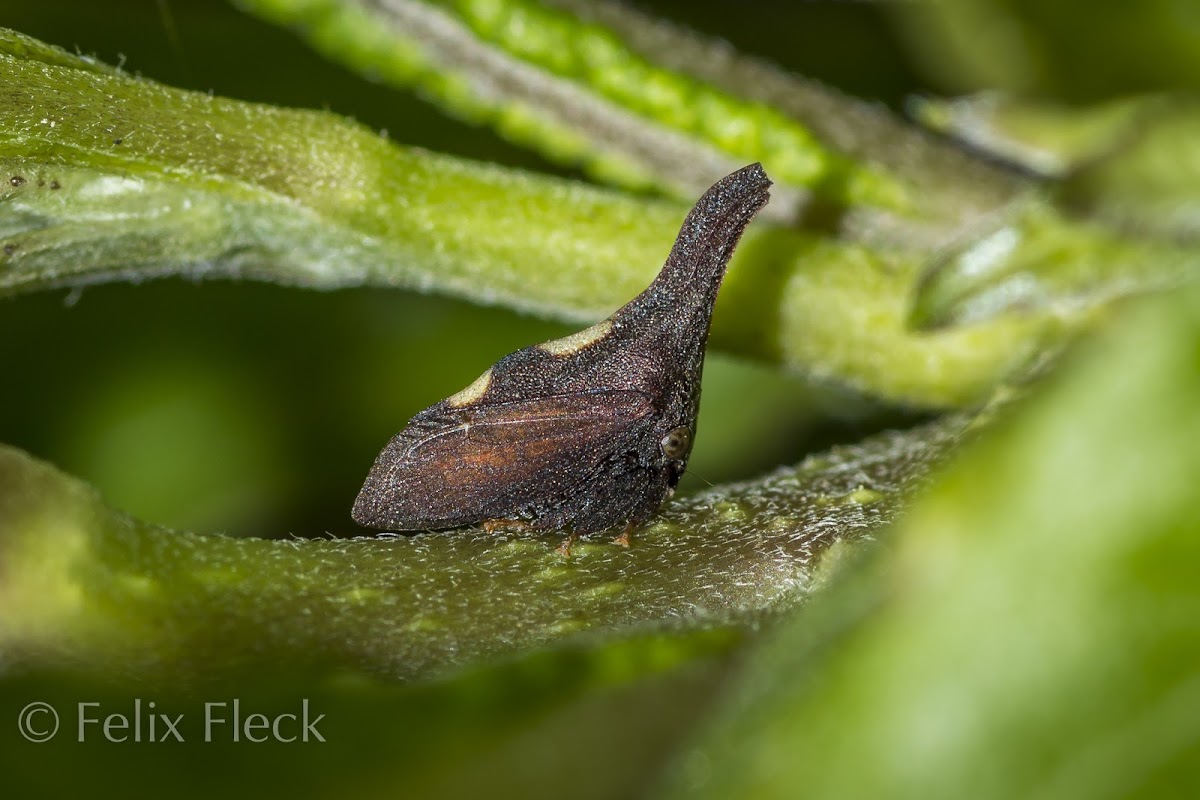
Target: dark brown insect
x=585, y=433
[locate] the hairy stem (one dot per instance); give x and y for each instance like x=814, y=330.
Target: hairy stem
x=82, y=583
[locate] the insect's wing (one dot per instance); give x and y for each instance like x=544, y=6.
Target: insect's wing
x=465, y=465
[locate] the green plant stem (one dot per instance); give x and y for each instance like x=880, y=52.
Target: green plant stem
x=82, y=583
x=109, y=176
x=648, y=105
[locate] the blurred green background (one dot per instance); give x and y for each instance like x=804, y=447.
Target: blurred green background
x=254, y=409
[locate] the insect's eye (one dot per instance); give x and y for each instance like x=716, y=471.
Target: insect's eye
x=677, y=443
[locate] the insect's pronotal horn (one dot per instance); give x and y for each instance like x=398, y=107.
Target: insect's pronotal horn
x=545, y=418
x=713, y=227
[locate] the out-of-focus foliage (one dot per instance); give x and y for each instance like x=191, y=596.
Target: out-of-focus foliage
x=1072, y=50
x=1036, y=630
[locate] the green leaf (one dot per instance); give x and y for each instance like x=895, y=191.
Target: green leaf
x=1151, y=182
x=1047, y=263
x=1071, y=50
x=1125, y=217
x=1033, y=633
x=1131, y=161
x=1044, y=137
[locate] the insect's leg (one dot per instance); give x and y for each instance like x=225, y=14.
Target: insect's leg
x=564, y=549
x=623, y=539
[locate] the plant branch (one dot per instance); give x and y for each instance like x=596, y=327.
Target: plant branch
x=109, y=176
x=82, y=583
x=644, y=104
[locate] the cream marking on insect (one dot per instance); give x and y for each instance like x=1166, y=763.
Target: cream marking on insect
x=569, y=345
x=588, y=433
x=472, y=393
